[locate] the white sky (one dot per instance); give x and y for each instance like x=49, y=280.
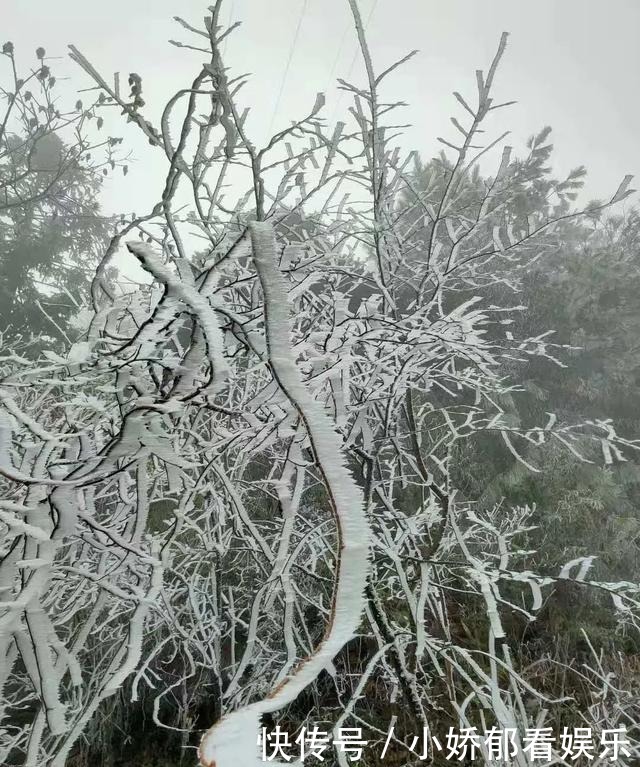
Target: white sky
x=573, y=64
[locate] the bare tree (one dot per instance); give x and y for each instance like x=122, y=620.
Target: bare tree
x=247, y=463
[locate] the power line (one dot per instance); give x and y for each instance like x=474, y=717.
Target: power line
x=288, y=65
x=353, y=62
x=229, y=20
x=337, y=57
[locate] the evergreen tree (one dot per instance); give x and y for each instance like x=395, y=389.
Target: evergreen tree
x=50, y=222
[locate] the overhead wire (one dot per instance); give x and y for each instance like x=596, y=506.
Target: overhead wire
x=229, y=21
x=291, y=54
x=285, y=74
x=353, y=61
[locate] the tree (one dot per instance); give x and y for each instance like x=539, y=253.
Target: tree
x=198, y=521
x=50, y=226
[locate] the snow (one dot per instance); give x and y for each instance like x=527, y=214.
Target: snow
x=227, y=743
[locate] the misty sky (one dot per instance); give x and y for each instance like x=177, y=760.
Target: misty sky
x=573, y=64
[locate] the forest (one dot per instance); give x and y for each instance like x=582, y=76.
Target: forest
x=351, y=475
